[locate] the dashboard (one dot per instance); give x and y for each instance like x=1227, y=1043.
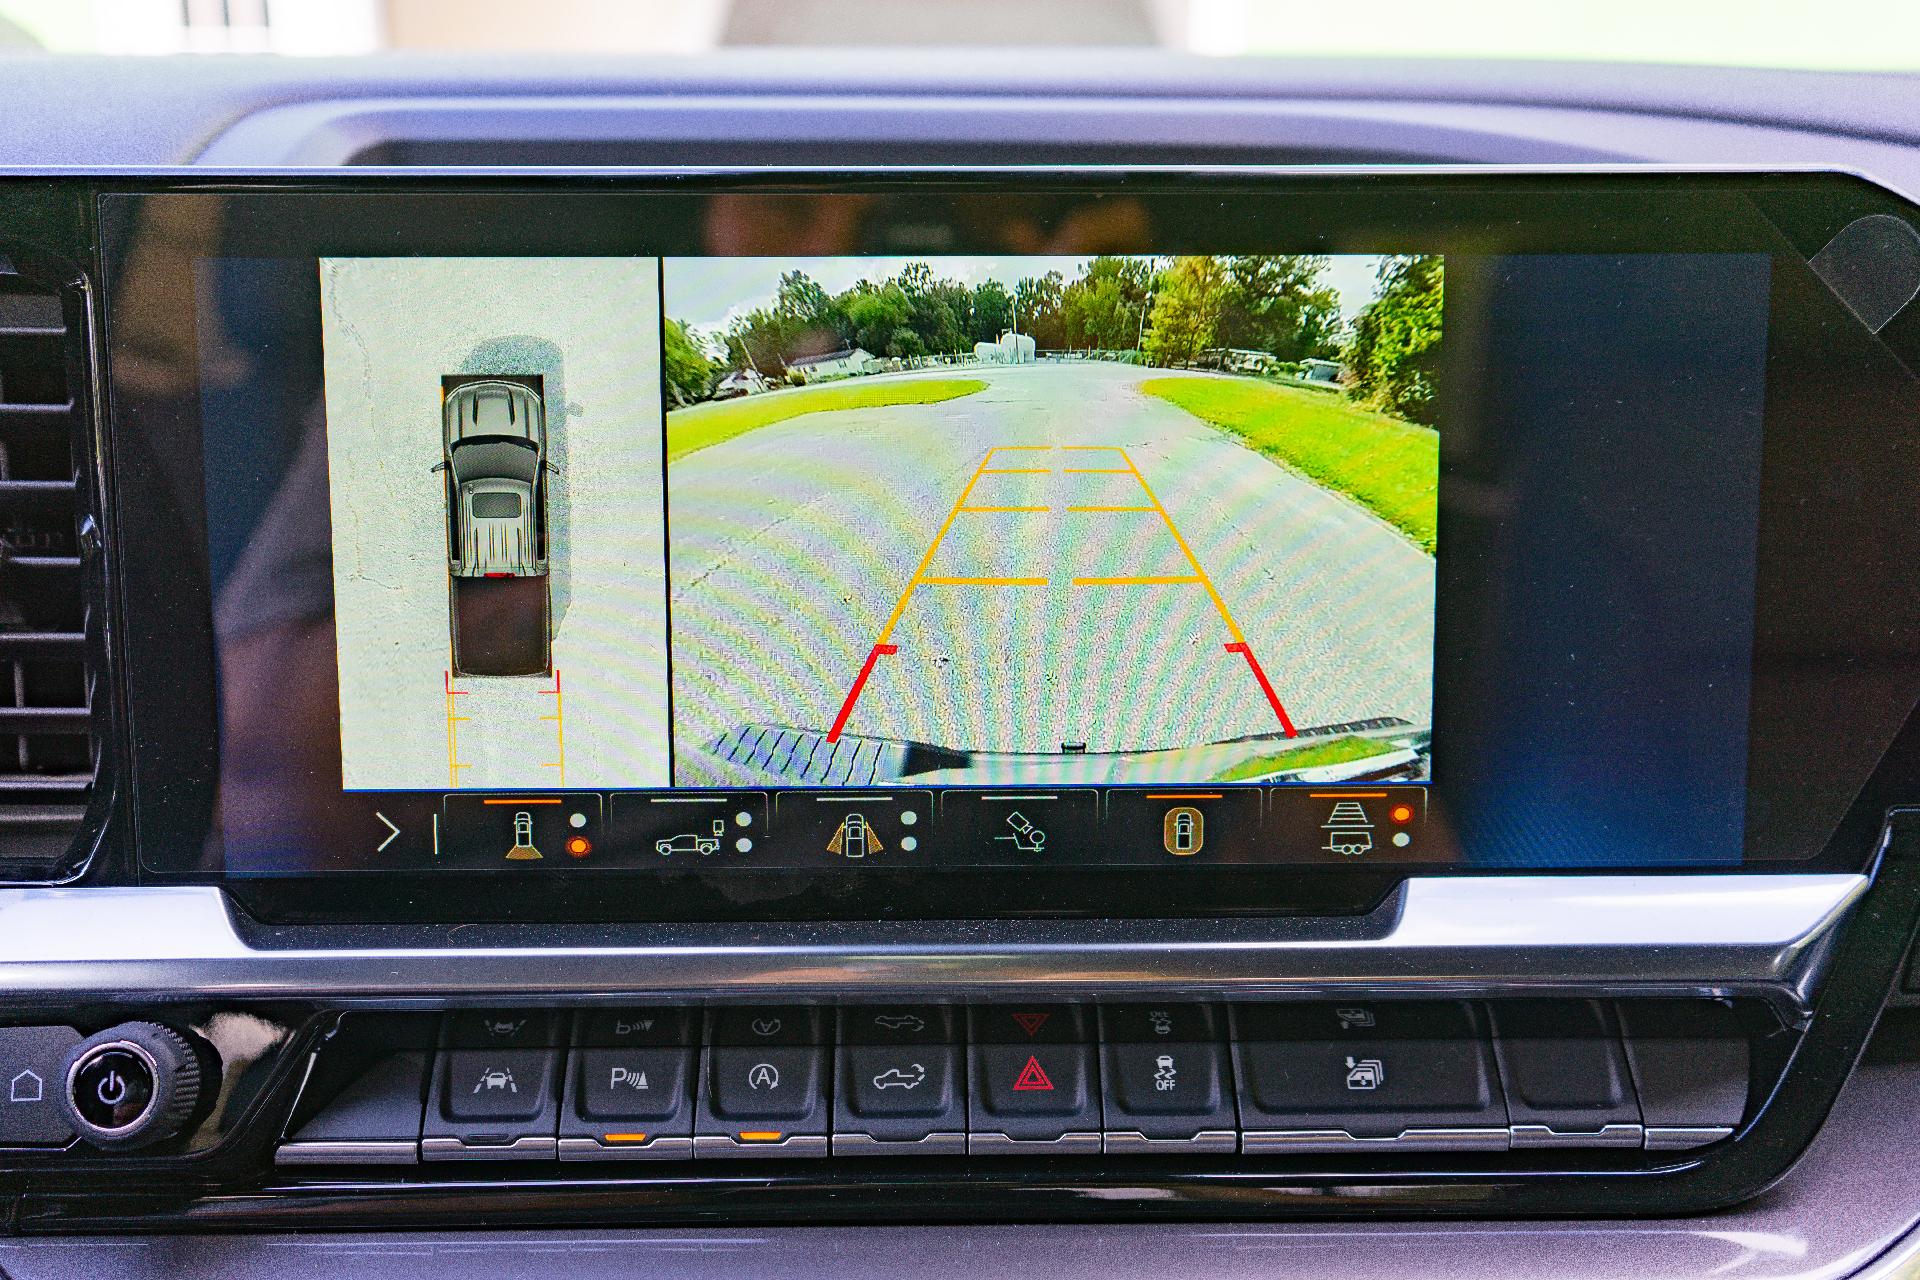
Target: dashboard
x=1250, y=690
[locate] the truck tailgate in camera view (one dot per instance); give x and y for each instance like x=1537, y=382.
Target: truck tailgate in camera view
x=1114, y=519
x=495, y=465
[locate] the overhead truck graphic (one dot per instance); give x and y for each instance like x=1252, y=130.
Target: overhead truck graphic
x=494, y=459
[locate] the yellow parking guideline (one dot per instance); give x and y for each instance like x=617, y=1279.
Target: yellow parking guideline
x=1226, y=615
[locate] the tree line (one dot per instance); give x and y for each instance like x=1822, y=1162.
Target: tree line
x=1169, y=310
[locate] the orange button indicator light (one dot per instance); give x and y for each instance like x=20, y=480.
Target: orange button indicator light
x=623, y=1137
x=761, y=1135
x=1401, y=813
x=579, y=846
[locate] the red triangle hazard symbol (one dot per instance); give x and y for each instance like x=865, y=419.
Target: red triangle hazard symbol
x=1031, y=1022
x=1033, y=1077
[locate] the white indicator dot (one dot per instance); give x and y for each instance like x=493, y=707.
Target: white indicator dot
x=909, y=843
x=1401, y=839
x=743, y=819
x=743, y=844
x=576, y=820
x=908, y=818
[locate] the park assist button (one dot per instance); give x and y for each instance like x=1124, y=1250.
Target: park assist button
x=629, y=1104
x=31, y=1062
x=1413, y=1076
x=506, y=830
x=1042, y=1098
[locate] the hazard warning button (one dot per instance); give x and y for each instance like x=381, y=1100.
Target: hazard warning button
x=1034, y=1097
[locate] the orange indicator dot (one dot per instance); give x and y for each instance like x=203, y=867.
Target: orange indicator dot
x=579, y=846
x=1402, y=813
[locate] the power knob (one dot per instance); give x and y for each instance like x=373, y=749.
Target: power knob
x=132, y=1085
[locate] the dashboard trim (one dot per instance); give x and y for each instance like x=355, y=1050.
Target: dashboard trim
x=1760, y=934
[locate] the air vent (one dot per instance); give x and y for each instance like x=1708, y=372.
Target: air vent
x=49, y=753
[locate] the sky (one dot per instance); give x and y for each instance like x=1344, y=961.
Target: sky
x=709, y=293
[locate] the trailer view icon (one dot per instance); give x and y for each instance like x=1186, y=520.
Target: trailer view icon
x=1349, y=829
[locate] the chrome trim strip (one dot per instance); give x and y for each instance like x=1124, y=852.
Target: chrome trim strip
x=368, y=1151
x=718, y=1146
x=667, y=1148
x=1684, y=1137
x=1131, y=1142
x=1679, y=935
x=1340, y=1142
x=1531, y=1136
x=527, y=1148
x=934, y=1144
x=999, y=1144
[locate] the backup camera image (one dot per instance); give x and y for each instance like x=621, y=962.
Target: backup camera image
x=494, y=471
x=1029, y=520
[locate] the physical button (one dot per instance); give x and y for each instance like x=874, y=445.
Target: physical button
x=31, y=1060
x=1565, y=1076
x=632, y=1084
x=491, y=1104
x=496, y=1084
x=374, y=1119
x=900, y=1099
x=1164, y=1023
x=629, y=1104
x=502, y=1029
x=637, y=1026
x=765, y=1024
x=1690, y=1059
x=1360, y=1074
x=1029, y=1023
x=897, y=1024
x=1034, y=1097
x=763, y=1101
x=1168, y=1097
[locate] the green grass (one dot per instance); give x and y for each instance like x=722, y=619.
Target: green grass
x=692, y=429
x=1388, y=466
x=1312, y=756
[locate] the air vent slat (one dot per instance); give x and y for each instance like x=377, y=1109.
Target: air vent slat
x=40, y=644
x=49, y=743
x=16, y=720
x=52, y=414
x=37, y=497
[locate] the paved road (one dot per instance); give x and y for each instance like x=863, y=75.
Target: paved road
x=793, y=545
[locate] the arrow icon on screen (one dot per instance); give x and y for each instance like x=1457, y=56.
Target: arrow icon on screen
x=393, y=830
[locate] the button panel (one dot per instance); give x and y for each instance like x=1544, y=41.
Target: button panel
x=1052, y=1078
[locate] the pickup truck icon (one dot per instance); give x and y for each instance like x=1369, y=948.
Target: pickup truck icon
x=901, y=1077
x=692, y=842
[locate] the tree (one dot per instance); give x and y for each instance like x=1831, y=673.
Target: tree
x=1395, y=347
x=689, y=374
x=1276, y=305
x=1036, y=309
x=1186, y=309
x=989, y=311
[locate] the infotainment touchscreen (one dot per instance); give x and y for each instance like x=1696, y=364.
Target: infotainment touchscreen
x=990, y=543
x=613, y=523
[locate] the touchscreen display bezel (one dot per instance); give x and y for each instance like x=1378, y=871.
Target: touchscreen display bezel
x=157, y=468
